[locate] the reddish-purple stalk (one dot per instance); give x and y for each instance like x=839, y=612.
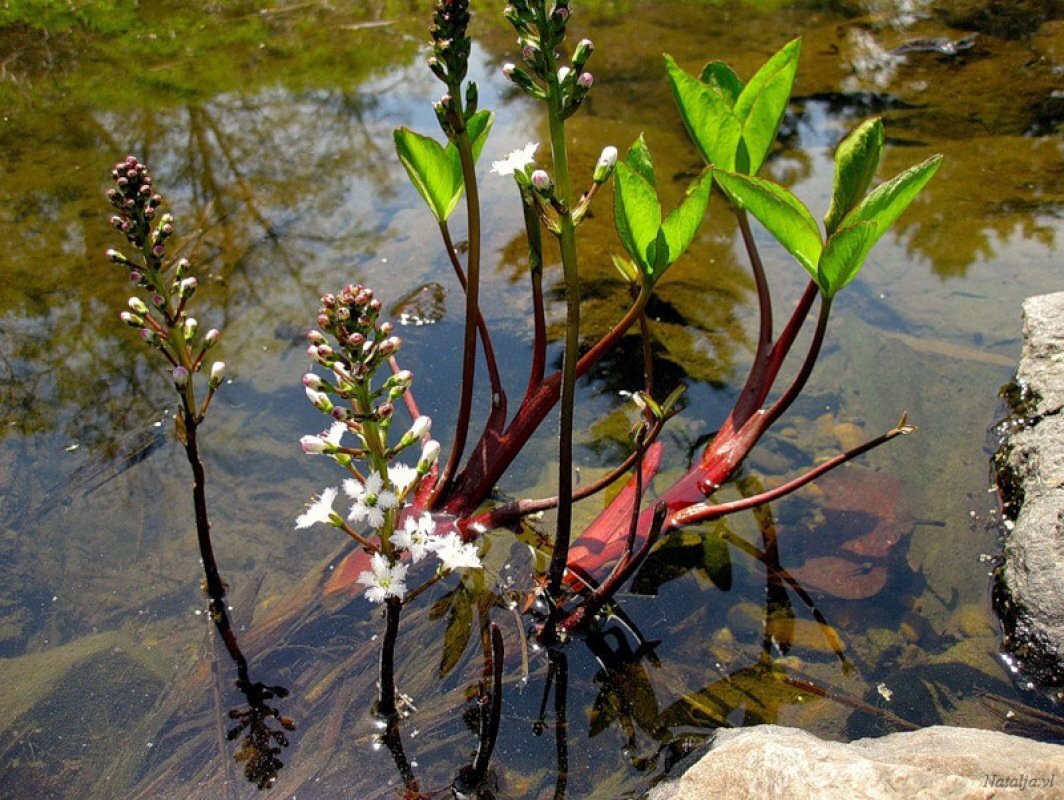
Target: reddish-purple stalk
x=497, y=415
x=472, y=292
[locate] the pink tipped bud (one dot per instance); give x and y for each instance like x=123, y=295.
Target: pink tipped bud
x=385, y=410
x=313, y=445
x=210, y=339
x=316, y=337
x=187, y=287
x=315, y=382
x=180, y=375
x=541, y=180
x=585, y=81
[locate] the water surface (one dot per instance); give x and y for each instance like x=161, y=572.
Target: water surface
x=270, y=131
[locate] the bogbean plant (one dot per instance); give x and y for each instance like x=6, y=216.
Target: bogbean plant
x=400, y=513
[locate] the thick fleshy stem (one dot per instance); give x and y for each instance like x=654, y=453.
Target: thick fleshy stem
x=567, y=241
x=497, y=415
x=703, y=512
x=533, y=232
x=472, y=313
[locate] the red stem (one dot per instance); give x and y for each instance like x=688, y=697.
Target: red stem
x=493, y=454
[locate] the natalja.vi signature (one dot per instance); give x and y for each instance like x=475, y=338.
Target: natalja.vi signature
x=1022, y=781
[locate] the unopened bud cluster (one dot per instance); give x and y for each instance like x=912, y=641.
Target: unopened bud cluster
x=161, y=317
x=450, y=62
x=540, y=30
x=361, y=345
x=352, y=343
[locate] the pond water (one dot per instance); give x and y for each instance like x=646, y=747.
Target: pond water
x=269, y=128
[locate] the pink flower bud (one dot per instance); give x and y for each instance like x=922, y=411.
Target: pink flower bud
x=541, y=180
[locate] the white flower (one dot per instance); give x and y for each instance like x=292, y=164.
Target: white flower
x=320, y=510
x=517, y=160
x=327, y=442
x=386, y=580
x=453, y=553
x=402, y=477
x=416, y=536
x=371, y=499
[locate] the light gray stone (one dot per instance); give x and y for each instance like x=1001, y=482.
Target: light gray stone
x=1031, y=591
x=770, y=761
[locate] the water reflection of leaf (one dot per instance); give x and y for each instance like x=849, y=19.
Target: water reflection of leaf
x=703, y=551
x=754, y=695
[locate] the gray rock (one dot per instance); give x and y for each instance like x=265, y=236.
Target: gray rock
x=770, y=761
x=1030, y=592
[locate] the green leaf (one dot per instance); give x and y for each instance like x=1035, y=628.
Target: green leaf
x=680, y=226
x=479, y=126
x=637, y=214
x=784, y=60
x=761, y=106
x=856, y=161
x=886, y=202
x=435, y=171
x=431, y=170
x=780, y=212
x=843, y=256
x=707, y=115
x=722, y=78
x=638, y=158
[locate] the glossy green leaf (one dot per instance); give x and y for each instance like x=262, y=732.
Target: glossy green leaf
x=638, y=158
x=429, y=168
x=780, y=212
x=856, y=162
x=886, y=202
x=707, y=115
x=637, y=214
x=436, y=171
x=722, y=78
x=680, y=226
x=785, y=61
x=843, y=256
x=761, y=106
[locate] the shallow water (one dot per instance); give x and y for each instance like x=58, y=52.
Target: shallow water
x=271, y=135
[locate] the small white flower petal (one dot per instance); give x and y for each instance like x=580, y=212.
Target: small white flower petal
x=516, y=160
x=321, y=510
